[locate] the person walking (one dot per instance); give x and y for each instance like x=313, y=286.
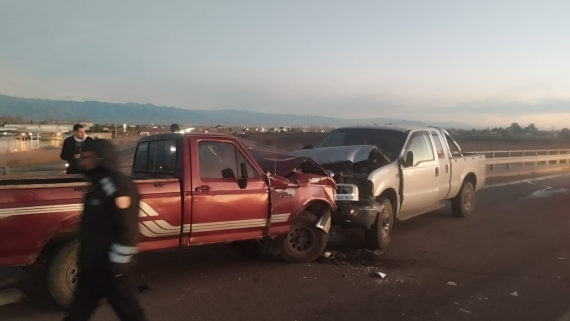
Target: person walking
x=72, y=148
x=108, y=237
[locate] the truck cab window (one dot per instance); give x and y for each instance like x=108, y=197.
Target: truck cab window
x=156, y=156
x=421, y=146
x=217, y=160
x=438, y=146
x=455, y=152
x=141, y=157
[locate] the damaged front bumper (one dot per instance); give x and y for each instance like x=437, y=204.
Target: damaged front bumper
x=353, y=211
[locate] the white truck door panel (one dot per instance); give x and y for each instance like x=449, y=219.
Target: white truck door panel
x=444, y=173
x=420, y=181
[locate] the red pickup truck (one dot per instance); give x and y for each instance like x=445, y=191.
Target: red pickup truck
x=195, y=189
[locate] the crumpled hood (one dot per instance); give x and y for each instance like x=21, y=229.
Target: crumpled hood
x=285, y=165
x=106, y=152
x=353, y=154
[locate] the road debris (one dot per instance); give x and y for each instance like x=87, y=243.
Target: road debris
x=463, y=310
x=346, y=276
x=515, y=293
x=380, y=275
x=456, y=303
x=327, y=254
x=562, y=258
x=144, y=288
x=479, y=297
x=11, y=296
x=340, y=255
x=377, y=252
x=452, y=283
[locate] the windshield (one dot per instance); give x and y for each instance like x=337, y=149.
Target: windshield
x=390, y=141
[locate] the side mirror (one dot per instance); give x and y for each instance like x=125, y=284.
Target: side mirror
x=308, y=147
x=409, y=159
x=242, y=182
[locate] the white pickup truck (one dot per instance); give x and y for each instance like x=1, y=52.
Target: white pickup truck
x=393, y=173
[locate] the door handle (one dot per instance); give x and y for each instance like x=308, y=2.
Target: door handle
x=158, y=185
x=203, y=188
x=437, y=172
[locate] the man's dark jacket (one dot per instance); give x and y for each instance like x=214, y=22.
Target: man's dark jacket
x=69, y=149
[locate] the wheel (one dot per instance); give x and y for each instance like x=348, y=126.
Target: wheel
x=304, y=242
x=62, y=274
x=463, y=204
x=378, y=236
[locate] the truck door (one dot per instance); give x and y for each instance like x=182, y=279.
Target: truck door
x=222, y=210
x=444, y=173
x=420, y=180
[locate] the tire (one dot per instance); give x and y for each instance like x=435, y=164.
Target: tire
x=304, y=242
x=378, y=236
x=463, y=204
x=62, y=274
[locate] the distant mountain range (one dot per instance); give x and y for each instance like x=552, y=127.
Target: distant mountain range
x=134, y=113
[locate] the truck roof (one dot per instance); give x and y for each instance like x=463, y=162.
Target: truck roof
x=168, y=136
x=400, y=128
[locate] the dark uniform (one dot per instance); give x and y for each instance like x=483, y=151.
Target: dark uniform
x=72, y=146
x=108, y=240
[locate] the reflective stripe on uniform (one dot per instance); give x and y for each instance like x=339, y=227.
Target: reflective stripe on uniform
x=108, y=186
x=124, y=250
x=118, y=258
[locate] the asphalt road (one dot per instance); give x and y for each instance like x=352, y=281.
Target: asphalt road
x=518, y=240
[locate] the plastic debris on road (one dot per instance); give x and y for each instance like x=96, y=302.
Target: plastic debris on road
x=466, y=311
x=380, y=275
x=562, y=258
x=515, y=293
x=452, y=283
x=327, y=254
x=377, y=252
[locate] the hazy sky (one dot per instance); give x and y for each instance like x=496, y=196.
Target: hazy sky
x=484, y=62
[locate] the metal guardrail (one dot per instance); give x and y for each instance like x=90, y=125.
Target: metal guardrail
x=522, y=157
x=508, y=158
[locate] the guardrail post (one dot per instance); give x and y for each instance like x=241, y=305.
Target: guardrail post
x=492, y=165
x=509, y=164
x=536, y=154
x=6, y=171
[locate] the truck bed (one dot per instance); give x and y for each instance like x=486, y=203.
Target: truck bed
x=61, y=200
x=461, y=166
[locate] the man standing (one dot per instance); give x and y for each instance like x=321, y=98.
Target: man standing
x=72, y=148
x=108, y=237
